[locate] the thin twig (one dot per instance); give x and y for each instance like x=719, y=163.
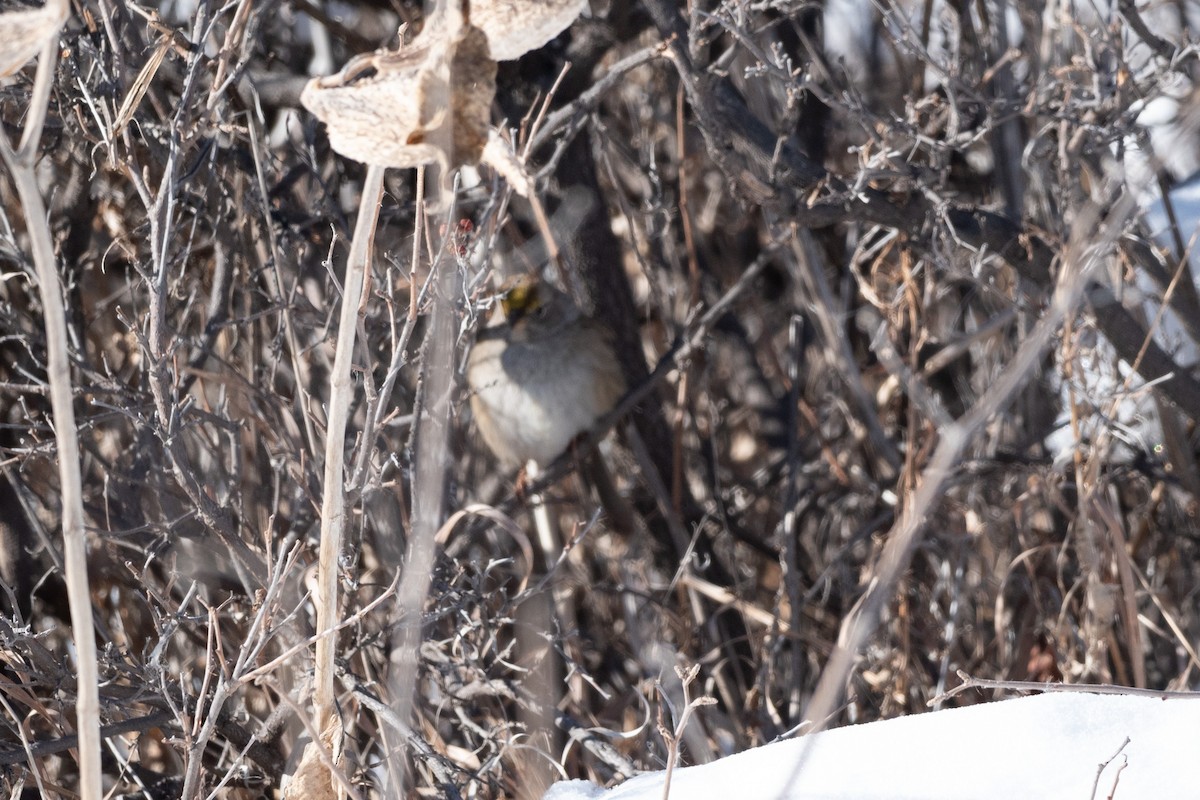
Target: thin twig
x=58, y=372
x=64, y=743
x=969, y=683
x=341, y=394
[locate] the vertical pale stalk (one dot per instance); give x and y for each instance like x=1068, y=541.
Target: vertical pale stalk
x=429, y=475
x=333, y=506
x=431, y=429
x=58, y=374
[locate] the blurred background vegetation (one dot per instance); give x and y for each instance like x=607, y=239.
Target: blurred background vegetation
x=878, y=199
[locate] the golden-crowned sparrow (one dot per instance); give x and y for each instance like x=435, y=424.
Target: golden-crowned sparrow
x=540, y=374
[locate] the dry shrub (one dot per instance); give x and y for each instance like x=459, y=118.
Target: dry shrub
x=884, y=233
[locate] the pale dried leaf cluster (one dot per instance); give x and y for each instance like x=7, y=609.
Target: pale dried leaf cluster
x=516, y=27
x=430, y=101
x=24, y=32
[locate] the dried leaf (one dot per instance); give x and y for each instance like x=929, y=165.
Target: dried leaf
x=23, y=33
x=408, y=107
x=514, y=27
x=499, y=155
x=312, y=779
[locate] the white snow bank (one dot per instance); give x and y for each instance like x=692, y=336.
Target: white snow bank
x=1045, y=746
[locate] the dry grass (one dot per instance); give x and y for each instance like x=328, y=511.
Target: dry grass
x=882, y=258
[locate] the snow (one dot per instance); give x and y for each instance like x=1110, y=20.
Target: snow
x=1185, y=200
x=1046, y=746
